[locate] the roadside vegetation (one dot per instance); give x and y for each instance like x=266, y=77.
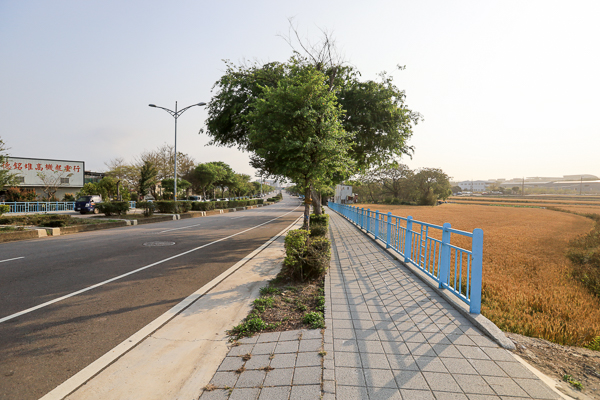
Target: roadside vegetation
x=295, y=299
x=530, y=287
x=48, y=220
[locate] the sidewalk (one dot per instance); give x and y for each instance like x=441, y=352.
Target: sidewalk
x=388, y=336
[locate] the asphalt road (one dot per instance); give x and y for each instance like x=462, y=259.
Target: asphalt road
x=42, y=348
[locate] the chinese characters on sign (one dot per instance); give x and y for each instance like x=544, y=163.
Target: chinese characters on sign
x=40, y=167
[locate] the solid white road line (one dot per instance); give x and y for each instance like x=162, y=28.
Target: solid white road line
x=176, y=229
x=132, y=272
x=83, y=376
x=11, y=259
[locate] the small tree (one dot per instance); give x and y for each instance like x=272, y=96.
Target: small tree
x=7, y=178
x=51, y=181
x=147, y=181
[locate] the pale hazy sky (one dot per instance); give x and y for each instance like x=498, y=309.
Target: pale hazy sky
x=507, y=88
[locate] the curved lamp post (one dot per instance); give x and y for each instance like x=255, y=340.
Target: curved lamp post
x=175, y=114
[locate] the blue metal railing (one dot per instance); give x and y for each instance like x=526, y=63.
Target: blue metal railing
x=427, y=247
x=44, y=206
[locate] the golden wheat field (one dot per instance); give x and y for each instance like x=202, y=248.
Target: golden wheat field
x=527, y=287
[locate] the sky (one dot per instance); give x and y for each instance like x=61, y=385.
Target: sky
x=507, y=88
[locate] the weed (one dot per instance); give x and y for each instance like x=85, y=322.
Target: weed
x=322, y=353
x=594, y=344
x=262, y=303
x=267, y=290
x=210, y=387
x=240, y=370
x=267, y=368
x=320, y=303
x=300, y=306
x=576, y=384
x=314, y=319
x=246, y=356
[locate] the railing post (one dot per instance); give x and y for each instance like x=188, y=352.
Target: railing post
x=376, y=230
x=389, y=230
x=368, y=219
x=476, y=271
x=408, y=239
x=444, y=267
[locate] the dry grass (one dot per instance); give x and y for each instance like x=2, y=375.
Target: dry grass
x=527, y=288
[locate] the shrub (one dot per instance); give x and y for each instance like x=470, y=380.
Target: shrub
x=4, y=209
x=113, y=207
x=147, y=206
x=220, y=205
x=68, y=197
x=173, y=207
x=314, y=319
x=203, y=206
x=306, y=257
x=322, y=219
x=184, y=206
x=318, y=230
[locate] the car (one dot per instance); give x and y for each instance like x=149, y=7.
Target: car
x=86, y=204
x=195, y=198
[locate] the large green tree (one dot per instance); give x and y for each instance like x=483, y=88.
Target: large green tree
x=295, y=130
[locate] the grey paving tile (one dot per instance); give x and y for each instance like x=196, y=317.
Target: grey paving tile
x=487, y=368
x=223, y=379
x=286, y=347
x=446, y=350
x=248, y=340
x=275, y=393
x=420, y=349
x=349, y=377
x=473, y=384
x=379, y=393
x=343, y=333
x=363, y=324
x=231, y=364
x=537, y=389
x=370, y=334
x=416, y=394
x=367, y=346
x=390, y=335
x=257, y=362
x=289, y=335
x=310, y=345
x=380, y=378
x=395, y=348
x=216, y=394
x=441, y=382
x=252, y=378
x=307, y=376
x=431, y=364
x=283, y=360
x=483, y=341
x=410, y=380
x=515, y=369
x=505, y=386
x=268, y=337
x=308, y=360
x=244, y=394
x=403, y=362
x=498, y=354
x=241, y=350
x=351, y=392
x=346, y=359
x=279, y=377
x=472, y=352
x=483, y=397
x=374, y=361
x=306, y=392
x=449, y=396
x=342, y=324
x=263, y=348
x=458, y=366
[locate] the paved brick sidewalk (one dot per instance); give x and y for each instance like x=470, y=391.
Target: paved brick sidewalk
x=389, y=336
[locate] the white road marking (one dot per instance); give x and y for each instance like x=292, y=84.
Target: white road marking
x=176, y=229
x=15, y=315
x=11, y=259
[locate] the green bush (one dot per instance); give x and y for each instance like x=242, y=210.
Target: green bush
x=173, y=207
x=147, y=206
x=203, y=206
x=314, y=319
x=220, y=205
x=306, y=257
x=322, y=219
x=113, y=207
x=318, y=230
x=4, y=209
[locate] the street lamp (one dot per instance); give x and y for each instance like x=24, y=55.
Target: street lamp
x=175, y=114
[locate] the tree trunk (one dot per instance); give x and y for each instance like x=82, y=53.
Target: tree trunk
x=316, y=201
x=306, y=207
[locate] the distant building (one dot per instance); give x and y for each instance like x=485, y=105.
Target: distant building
x=37, y=173
x=343, y=194
x=474, y=186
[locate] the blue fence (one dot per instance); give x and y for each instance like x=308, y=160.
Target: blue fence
x=44, y=206
x=427, y=247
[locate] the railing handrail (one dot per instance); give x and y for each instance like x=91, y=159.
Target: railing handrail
x=441, y=260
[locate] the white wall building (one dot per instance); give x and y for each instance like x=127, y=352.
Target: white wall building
x=474, y=186
x=343, y=194
x=37, y=173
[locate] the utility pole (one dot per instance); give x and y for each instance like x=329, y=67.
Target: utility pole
x=523, y=187
x=580, y=184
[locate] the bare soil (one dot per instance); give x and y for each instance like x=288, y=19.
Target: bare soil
x=556, y=361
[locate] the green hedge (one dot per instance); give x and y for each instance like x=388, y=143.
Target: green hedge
x=173, y=207
x=203, y=205
x=306, y=257
x=147, y=206
x=113, y=207
x=4, y=209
